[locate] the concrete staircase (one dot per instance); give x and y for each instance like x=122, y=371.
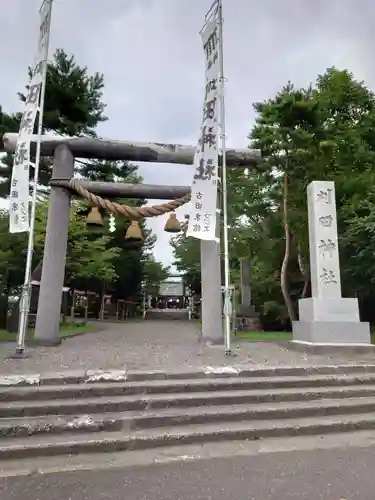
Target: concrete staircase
x=105, y=413
x=167, y=314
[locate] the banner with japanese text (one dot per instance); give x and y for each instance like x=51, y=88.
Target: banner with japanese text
x=19, y=188
x=202, y=218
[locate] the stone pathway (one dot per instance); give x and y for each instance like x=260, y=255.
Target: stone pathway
x=157, y=345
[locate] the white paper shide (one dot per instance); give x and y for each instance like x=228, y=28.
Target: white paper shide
x=19, y=189
x=202, y=220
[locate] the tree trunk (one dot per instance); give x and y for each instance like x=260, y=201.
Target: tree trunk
x=3, y=308
x=284, y=267
x=304, y=273
x=305, y=290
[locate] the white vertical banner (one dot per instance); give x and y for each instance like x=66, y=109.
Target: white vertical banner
x=19, y=188
x=202, y=220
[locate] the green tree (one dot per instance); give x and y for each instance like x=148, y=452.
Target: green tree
x=73, y=103
x=73, y=106
x=285, y=131
x=130, y=260
x=320, y=133
x=8, y=123
x=154, y=273
x=186, y=253
x=86, y=257
x=12, y=263
x=323, y=132
x=348, y=116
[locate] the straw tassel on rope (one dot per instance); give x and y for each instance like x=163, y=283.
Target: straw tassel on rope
x=132, y=213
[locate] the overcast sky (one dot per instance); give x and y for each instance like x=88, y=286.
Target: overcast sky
x=151, y=56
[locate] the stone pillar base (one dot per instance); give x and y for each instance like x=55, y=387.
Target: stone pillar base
x=330, y=332
x=44, y=342
x=328, y=309
x=331, y=349
x=330, y=320
x=249, y=323
x=213, y=342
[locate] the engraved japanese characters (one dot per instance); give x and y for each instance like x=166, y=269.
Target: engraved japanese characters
x=324, y=254
x=19, y=191
x=202, y=221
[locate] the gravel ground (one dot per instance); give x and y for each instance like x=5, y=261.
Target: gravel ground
x=157, y=345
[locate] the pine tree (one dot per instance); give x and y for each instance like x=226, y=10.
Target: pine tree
x=73, y=106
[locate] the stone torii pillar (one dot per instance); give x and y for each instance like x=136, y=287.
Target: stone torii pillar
x=212, y=302
x=47, y=328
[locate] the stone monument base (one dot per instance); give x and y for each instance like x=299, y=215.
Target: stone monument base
x=332, y=332
x=330, y=320
x=247, y=319
x=328, y=309
x=44, y=342
x=330, y=349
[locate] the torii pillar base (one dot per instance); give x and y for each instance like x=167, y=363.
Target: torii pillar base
x=211, y=307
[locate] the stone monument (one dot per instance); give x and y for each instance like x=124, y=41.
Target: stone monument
x=246, y=309
x=326, y=317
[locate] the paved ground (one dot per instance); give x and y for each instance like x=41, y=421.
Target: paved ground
x=169, y=345
x=310, y=475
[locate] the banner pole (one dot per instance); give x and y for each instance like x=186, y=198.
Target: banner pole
x=227, y=289
x=26, y=289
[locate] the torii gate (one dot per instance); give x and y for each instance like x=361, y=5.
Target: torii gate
x=64, y=152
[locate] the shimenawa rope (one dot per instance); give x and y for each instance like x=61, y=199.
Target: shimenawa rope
x=124, y=210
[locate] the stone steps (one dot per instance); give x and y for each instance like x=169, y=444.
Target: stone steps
x=148, y=419
x=167, y=314
x=100, y=416
x=206, y=372
x=183, y=400
x=93, y=390
x=95, y=442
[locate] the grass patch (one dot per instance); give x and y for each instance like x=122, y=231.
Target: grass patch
x=262, y=336
x=7, y=336
x=255, y=336
x=72, y=328
x=66, y=330
x=277, y=336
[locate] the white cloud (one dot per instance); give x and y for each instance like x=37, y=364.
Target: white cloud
x=150, y=53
